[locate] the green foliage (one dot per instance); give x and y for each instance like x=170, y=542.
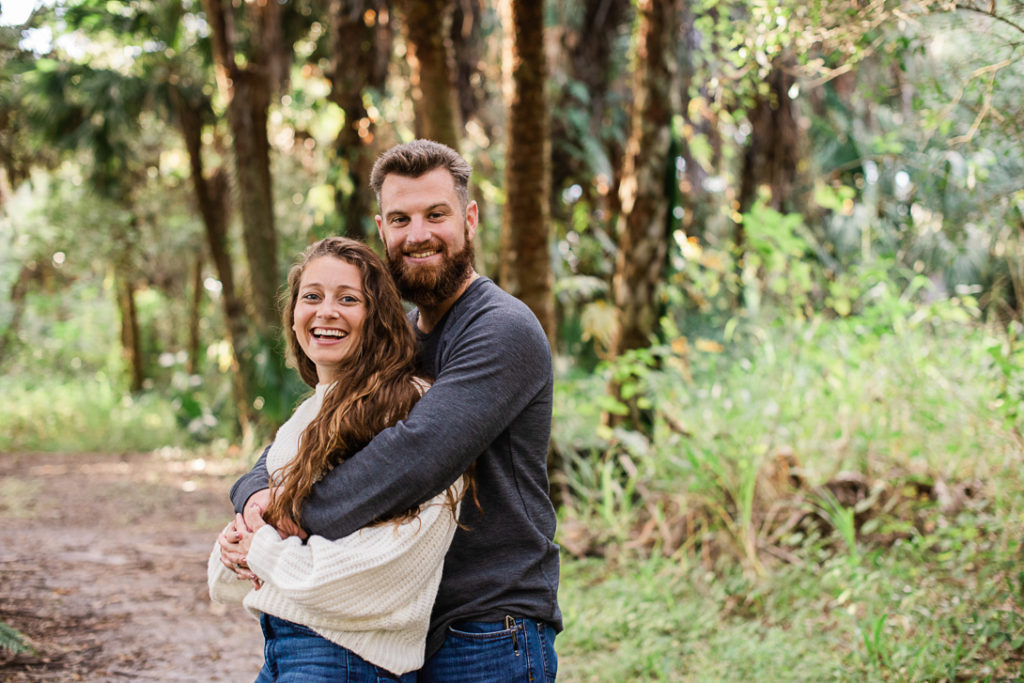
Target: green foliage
x=912, y=612
x=893, y=389
x=12, y=640
x=1007, y=354
x=88, y=414
x=777, y=261
x=842, y=519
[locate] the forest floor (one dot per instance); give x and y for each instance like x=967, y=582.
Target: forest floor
x=103, y=569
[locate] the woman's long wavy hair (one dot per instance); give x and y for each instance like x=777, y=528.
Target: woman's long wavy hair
x=375, y=385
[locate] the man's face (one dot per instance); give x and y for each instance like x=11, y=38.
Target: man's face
x=428, y=238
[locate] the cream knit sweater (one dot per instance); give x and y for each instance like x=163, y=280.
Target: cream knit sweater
x=371, y=592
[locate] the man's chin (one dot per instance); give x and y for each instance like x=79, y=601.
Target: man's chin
x=419, y=288
x=428, y=287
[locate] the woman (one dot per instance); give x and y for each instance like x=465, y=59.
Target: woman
x=356, y=608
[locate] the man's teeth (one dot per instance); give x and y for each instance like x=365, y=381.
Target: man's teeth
x=322, y=332
x=424, y=253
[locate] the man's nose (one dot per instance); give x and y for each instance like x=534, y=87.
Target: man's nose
x=419, y=230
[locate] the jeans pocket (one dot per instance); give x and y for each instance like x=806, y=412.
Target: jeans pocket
x=481, y=631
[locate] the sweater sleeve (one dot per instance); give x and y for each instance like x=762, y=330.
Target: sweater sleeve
x=496, y=363
x=225, y=587
x=368, y=575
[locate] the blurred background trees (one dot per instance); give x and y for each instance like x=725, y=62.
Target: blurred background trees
x=651, y=175
x=776, y=246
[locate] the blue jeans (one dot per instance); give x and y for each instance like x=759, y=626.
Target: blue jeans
x=296, y=654
x=501, y=652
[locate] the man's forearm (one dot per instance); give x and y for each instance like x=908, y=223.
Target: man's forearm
x=471, y=403
x=254, y=480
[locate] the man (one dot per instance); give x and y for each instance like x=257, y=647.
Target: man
x=496, y=613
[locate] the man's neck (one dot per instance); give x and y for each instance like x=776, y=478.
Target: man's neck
x=429, y=316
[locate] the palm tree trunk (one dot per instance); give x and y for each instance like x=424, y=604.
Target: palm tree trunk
x=644, y=192
x=433, y=96
x=526, y=236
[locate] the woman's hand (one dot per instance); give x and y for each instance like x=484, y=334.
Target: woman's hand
x=246, y=531
x=235, y=541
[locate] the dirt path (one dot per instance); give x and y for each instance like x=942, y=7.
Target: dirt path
x=103, y=567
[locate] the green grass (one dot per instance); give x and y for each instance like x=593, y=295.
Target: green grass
x=942, y=607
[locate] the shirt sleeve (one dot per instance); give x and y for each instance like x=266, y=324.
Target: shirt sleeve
x=252, y=481
x=354, y=578
x=493, y=369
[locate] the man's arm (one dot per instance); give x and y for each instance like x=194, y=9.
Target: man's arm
x=254, y=480
x=494, y=368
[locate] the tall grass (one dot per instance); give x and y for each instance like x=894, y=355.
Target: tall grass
x=692, y=568
x=89, y=414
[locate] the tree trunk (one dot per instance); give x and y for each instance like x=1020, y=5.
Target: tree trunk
x=590, y=54
x=131, y=347
x=354, y=69
x=19, y=290
x=468, y=50
x=194, y=315
x=247, y=92
x=525, y=249
x=430, y=78
x=701, y=207
x=212, y=201
x=772, y=157
x=644, y=192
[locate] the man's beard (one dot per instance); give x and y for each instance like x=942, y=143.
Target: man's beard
x=429, y=286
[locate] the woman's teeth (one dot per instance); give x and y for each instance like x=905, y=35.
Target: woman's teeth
x=322, y=332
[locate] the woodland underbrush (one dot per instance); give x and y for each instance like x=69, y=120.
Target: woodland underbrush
x=821, y=500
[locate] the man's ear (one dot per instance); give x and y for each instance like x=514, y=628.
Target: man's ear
x=472, y=218
x=380, y=229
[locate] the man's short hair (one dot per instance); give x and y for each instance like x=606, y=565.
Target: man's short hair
x=413, y=159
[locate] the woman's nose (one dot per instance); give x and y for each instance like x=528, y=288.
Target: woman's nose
x=327, y=310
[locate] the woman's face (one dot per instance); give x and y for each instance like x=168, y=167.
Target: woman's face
x=329, y=313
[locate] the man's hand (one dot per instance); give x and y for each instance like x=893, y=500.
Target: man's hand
x=260, y=501
x=287, y=527
x=254, y=507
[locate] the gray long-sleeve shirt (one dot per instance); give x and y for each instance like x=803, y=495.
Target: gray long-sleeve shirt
x=490, y=403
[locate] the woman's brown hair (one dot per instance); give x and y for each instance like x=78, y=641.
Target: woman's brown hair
x=376, y=384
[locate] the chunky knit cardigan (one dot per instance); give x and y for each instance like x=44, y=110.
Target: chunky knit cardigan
x=371, y=592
